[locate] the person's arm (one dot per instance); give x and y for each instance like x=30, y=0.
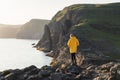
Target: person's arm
x=68, y=43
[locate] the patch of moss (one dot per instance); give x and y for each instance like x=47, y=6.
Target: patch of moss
x=60, y=15
x=5, y=72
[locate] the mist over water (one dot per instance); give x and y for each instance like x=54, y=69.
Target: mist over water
x=18, y=53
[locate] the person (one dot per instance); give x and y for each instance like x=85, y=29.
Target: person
x=73, y=43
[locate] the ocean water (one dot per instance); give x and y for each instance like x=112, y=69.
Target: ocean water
x=19, y=53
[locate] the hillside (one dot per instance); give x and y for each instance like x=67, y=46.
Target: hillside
x=98, y=29
x=96, y=26
x=8, y=31
x=32, y=29
x=98, y=58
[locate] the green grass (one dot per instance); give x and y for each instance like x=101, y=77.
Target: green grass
x=98, y=35
x=114, y=39
x=95, y=34
x=105, y=15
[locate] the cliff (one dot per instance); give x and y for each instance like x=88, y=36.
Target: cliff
x=97, y=28
x=32, y=29
x=95, y=25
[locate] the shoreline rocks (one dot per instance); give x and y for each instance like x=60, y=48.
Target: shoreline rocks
x=107, y=71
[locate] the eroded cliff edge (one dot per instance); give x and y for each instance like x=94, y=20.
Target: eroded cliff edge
x=95, y=25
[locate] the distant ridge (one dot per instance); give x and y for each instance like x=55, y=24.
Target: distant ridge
x=8, y=31
x=30, y=30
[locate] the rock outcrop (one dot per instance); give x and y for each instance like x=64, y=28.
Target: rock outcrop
x=92, y=25
x=47, y=39
x=108, y=71
x=98, y=33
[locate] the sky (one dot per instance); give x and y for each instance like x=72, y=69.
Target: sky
x=21, y=11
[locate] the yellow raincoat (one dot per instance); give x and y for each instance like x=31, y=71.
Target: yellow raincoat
x=72, y=44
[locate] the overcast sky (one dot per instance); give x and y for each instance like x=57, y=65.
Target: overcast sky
x=21, y=11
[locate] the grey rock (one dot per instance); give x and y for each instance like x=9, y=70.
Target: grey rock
x=11, y=76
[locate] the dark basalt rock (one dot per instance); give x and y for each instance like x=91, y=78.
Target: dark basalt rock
x=107, y=71
x=47, y=39
x=73, y=69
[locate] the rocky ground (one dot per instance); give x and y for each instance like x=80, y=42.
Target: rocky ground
x=99, y=51
x=58, y=71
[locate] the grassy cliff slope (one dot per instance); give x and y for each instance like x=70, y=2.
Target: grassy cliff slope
x=97, y=26
x=100, y=24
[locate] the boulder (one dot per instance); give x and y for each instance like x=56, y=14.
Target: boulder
x=34, y=77
x=73, y=69
x=11, y=76
x=57, y=76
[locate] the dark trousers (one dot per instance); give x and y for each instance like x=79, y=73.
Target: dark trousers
x=73, y=58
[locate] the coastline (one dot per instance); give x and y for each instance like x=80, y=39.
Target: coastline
x=65, y=71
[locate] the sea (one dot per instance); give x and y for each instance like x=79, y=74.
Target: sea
x=19, y=53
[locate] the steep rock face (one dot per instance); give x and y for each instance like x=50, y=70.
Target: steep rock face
x=32, y=29
x=97, y=30
x=59, y=28
x=46, y=39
